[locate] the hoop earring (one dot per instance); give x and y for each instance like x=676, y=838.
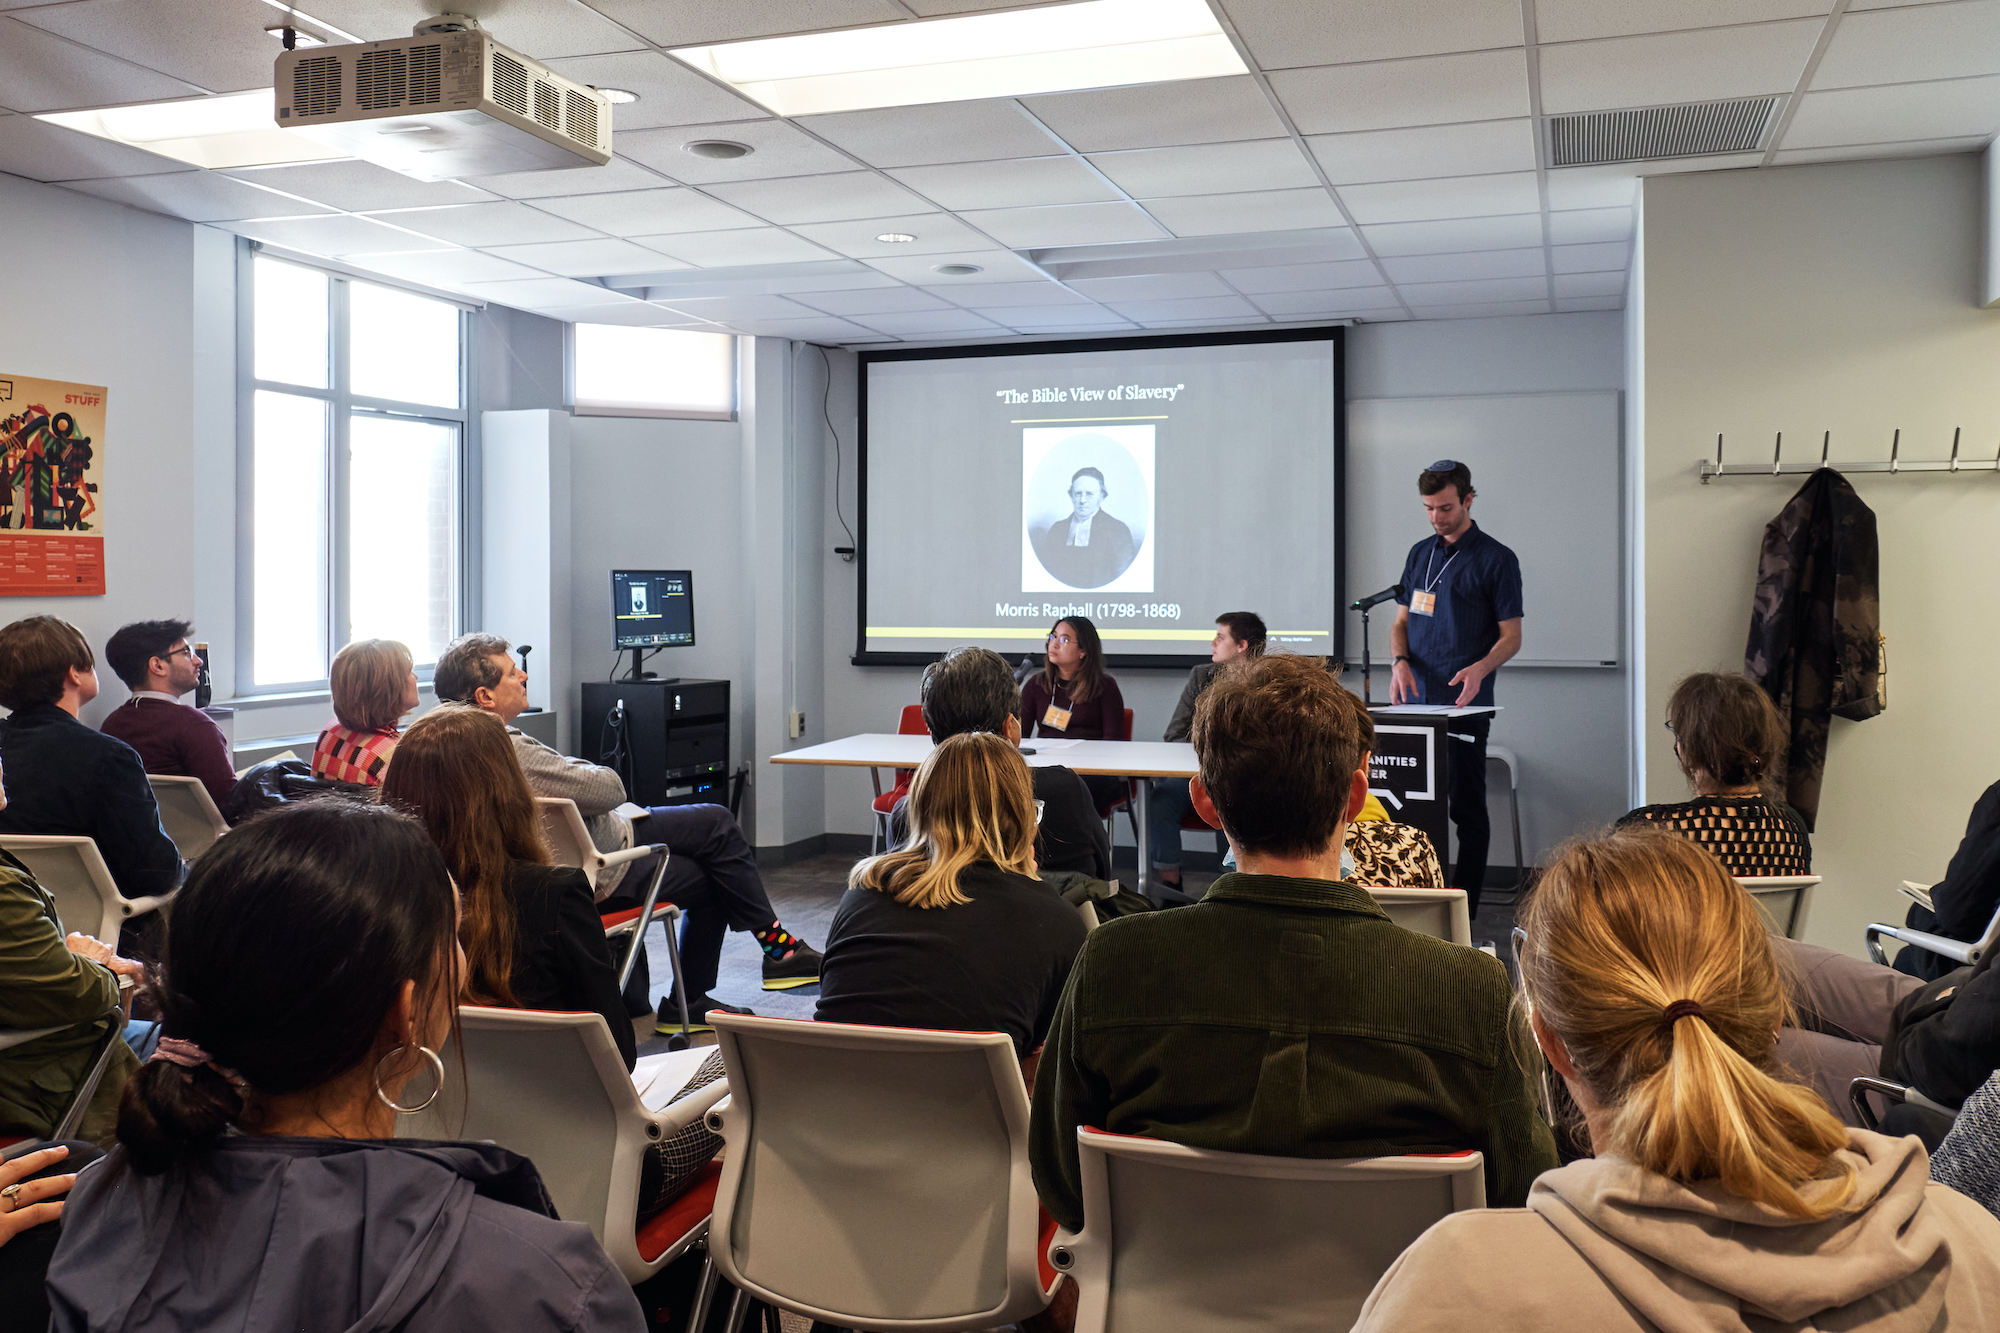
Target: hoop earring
x=437, y=1067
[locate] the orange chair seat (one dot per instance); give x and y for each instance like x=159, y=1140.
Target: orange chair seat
x=673, y=1223
x=623, y=919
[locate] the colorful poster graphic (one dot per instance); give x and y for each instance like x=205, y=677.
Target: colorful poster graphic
x=51, y=497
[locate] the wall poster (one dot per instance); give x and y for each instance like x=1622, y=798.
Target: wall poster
x=51, y=466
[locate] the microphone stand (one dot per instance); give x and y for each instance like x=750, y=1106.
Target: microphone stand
x=1367, y=666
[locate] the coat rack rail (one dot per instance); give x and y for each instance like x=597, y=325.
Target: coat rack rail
x=1895, y=462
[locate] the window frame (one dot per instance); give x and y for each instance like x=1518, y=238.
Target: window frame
x=342, y=406
x=584, y=409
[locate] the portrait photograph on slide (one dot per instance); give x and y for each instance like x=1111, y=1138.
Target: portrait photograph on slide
x=1087, y=509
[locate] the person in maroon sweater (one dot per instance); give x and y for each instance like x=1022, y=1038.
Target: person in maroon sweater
x=1074, y=698
x=156, y=663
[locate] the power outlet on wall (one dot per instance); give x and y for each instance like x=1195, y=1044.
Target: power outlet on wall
x=798, y=725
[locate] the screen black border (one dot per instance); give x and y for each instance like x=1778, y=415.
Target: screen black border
x=1334, y=333
x=695, y=638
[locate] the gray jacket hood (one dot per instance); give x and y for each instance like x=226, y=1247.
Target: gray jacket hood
x=1694, y=1259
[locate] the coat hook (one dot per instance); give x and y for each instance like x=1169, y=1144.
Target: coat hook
x=1777, y=452
x=1954, y=447
x=1895, y=447
x=1825, y=443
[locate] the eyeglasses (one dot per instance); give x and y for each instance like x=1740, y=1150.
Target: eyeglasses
x=1669, y=725
x=1061, y=638
x=184, y=648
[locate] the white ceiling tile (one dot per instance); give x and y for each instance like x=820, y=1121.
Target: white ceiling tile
x=488, y=224
x=1477, y=148
x=1433, y=90
x=1220, y=168
x=544, y=29
x=1304, y=277
x=1598, y=258
x=1235, y=214
x=1053, y=316
x=1577, y=20
x=995, y=295
x=355, y=186
x=1152, y=287
x=448, y=268
x=728, y=249
x=550, y=293
x=1282, y=34
x=198, y=196
x=1466, y=267
x=837, y=198
x=776, y=149
x=646, y=212
x=1586, y=225
x=921, y=136
x=1910, y=45
x=1193, y=307
x=1215, y=322
x=669, y=92
x=1954, y=109
x=1021, y=182
x=937, y=8
x=1159, y=115
x=218, y=45
x=1483, y=310
x=336, y=235
x=1459, y=197
x=616, y=175
x=690, y=22
x=927, y=323
x=1471, y=293
x=1453, y=235
x=723, y=308
x=1614, y=185
x=993, y=265
x=1065, y=224
x=1344, y=301
x=44, y=152
x=587, y=259
x=1590, y=284
x=878, y=301
x=832, y=332
x=1676, y=67
x=936, y=233
x=1859, y=152
x=41, y=72
x=633, y=314
x=1573, y=303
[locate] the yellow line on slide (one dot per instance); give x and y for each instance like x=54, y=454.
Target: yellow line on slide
x=1007, y=632
x=1029, y=421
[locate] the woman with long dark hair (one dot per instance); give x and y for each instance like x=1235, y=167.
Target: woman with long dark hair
x=1073, y=696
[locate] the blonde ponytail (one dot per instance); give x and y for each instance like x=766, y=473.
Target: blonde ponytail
x=1654, y=968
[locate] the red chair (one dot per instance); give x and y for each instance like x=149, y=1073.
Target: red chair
x=1124, y=803
x=912, y=724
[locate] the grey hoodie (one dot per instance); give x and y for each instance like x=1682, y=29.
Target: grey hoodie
x=1606, y=1246
x=273, y=1235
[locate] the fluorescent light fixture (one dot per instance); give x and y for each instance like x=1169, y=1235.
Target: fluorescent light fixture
x=230, y=130
x=1056, y=48
x=895, y=237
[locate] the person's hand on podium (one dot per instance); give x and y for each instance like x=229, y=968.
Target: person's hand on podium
x=1402, y=683
x=1468, y=681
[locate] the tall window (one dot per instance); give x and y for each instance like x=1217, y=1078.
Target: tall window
x=357, y=423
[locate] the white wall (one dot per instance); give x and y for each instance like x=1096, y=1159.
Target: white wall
x=1841, y=297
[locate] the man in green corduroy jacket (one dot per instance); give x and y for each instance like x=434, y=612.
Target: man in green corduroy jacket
x=1284, y=1014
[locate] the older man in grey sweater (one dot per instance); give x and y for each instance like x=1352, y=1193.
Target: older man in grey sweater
x=712, y=870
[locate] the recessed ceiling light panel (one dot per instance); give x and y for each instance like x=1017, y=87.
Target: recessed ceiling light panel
x=229, y=130
x=1056, y=48
x=895, y=237
x=722, y=150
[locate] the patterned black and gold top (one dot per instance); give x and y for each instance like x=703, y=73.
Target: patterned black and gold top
x=1751, y=836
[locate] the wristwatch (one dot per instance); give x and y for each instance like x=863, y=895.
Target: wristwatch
x=1400, y=657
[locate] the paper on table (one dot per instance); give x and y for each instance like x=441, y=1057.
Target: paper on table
x=1920, y=893
x=1041, y=743
x=629, y=810
x=282, y=754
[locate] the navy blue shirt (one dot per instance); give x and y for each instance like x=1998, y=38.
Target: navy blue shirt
x=1478, y=584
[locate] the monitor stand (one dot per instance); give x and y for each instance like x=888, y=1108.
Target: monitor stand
x=638, y=673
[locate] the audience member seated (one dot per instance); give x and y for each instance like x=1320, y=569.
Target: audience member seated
x=1963, y=902
x=1719, y=1197
x=711, y=867
x=1380, y=853
x=1238, y=634
x=954, y=931
x=30, y=1224
x=1726, y=736
x=312, y=973
x=1969, y=1158
x=157, y=664
x=66, y=778
x=973, y=690
x=1284, y=1013
x=1073, y=697
x=373, y=685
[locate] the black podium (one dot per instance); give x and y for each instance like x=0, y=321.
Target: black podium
x=1411, y=771
x=670, y=741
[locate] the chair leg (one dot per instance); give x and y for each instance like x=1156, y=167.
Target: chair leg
x=739, y=1312
x=704, y=1295
x=645, y=919
x=672, y=922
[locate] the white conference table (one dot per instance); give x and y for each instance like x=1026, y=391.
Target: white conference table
x=1118, y=759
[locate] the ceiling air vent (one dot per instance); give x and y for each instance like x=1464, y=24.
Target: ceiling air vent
x=1690, y=129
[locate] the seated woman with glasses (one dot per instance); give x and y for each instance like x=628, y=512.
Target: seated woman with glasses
x=312, y=973
x=1727, y=734
x=1072, y=696
x=1719, y=1197
x=373, y=685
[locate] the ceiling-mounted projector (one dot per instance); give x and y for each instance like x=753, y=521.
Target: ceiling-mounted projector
x=445, y=103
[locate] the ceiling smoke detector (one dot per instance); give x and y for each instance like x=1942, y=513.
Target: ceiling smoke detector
x=722, y=150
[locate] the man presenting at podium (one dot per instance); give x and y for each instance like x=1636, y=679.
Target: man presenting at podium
x=1458, y=618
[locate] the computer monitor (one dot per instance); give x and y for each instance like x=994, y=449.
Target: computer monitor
x=651, y=608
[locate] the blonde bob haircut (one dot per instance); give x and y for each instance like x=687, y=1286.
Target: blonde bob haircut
x=971, y=801
x=367, y=683
x=1621, y=929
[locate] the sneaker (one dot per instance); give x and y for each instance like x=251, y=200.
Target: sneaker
x=798, y=968
x=699, y=1009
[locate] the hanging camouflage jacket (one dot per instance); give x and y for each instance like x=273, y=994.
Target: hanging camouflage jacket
x=1815, y=625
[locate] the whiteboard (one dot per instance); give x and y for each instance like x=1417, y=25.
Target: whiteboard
x=1545, y=467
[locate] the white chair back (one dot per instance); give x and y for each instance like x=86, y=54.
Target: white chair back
x=876, y=1178
x=1438, y=912
x=74, y=873
x=553, y=1088
x=570, y=845
x=1186, y=1238
x=187, y=813
x=1784, y=900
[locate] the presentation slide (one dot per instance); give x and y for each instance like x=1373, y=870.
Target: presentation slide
x=1148, y=487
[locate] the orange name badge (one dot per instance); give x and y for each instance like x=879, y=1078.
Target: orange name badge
x=1424, y=603
x=1056, y=718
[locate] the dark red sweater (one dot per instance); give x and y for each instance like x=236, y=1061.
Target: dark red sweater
x=174, y=740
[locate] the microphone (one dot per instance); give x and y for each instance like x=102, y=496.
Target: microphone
x=1377, y=598
x=524, y=650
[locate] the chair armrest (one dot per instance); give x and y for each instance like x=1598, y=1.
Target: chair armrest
x=1060, y=1245
x=1957, y=950
x=605, y=860
x=676, y=1116
x=153, y=903
x=719, y=1113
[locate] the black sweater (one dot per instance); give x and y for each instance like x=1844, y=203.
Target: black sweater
x=561, y=959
